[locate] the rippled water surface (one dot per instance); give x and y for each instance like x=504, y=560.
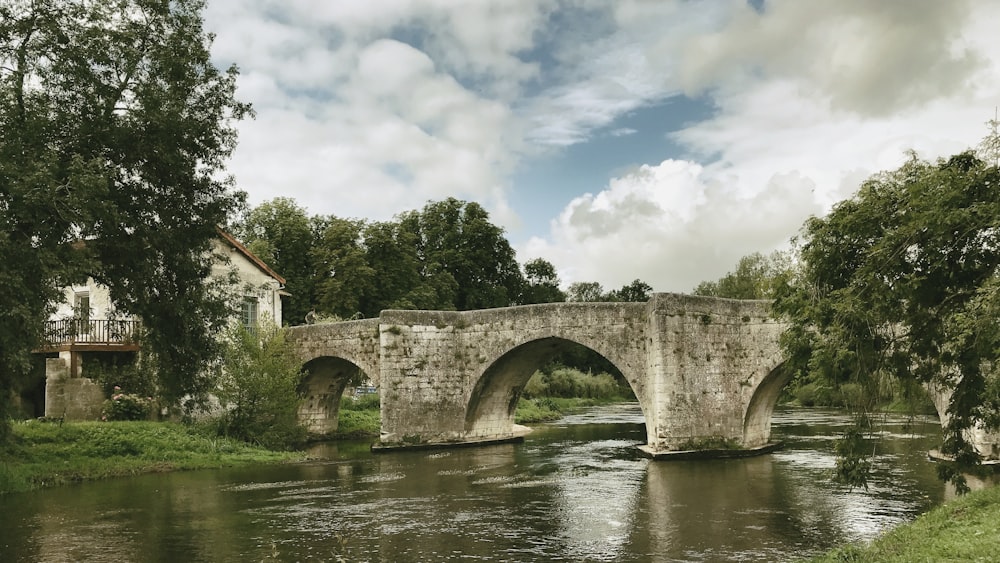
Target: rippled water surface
x=576, y=490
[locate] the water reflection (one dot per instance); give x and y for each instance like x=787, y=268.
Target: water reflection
x=575, y=490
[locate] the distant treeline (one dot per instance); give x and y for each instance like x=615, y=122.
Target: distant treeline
x=446, y=256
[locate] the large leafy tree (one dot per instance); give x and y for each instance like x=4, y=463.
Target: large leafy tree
x=901, y=281
x=391, y=252
x=342, y=271
x=281, y=234
x=456, y=239
x=637, y=291
x=541, y=283
x=755, y=277
x=115, y=127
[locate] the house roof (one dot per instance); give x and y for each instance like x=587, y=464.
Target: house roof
x=238, y=246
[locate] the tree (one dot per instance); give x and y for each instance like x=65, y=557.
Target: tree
x=342, y=271
x=456, y=239
x=281, y=234
x=259, y=387
x=115, y=127
x=901, y=281
x=637, y=291
x=585, y=291
x=541, y=283
x=755, y=277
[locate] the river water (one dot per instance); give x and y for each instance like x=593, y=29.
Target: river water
x=575, y=490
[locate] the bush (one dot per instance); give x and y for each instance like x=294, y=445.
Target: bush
x=365, y=402
x=126, y=406
x=572, y=383
x=258, y=388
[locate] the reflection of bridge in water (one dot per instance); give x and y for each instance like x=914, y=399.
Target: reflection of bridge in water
x=703, y=369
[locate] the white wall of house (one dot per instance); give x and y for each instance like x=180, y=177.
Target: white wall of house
x=255, y=285
x=96, y=294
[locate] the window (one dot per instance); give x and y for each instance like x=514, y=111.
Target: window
x=249, y=313
x=81, y=312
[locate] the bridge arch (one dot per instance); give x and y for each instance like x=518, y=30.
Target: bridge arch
x=323, y=382
x=493, y=398
x=331, y=355
x=760, y=408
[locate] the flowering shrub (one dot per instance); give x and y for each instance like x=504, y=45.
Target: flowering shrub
x=126, y=406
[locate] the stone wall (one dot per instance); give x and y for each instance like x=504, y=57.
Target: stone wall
x=70, y=398
x=708, y=357
x=332, y=354
x=700, y=367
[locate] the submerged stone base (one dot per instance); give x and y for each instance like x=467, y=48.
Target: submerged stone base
x=938, y=455
x=385, y=446
x=678, y=455
x=380, y=446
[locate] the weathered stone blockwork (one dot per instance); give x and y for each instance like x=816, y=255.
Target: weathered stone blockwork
x=701, y=368
x=68, y=397
x=331, y=354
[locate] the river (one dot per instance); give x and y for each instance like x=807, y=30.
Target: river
x=575, y=490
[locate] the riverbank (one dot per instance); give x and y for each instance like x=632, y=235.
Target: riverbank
x=45, y=454
x=548, y=409
x=964, y=529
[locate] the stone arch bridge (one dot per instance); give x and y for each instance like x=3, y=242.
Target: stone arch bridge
x=702, y=368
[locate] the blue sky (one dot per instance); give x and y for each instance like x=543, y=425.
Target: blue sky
x=652, y=139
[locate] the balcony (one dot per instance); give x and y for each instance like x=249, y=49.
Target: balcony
x=91, y=335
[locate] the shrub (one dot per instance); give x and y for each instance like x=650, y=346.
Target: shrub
x=258, y=388
x=365, y=402
x=126, y=406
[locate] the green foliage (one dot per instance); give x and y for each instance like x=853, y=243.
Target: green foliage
x=370, y=401
x=121, y=371
x=542, y=409
x=541, y=283
x=755, y=277
x=637, y=291
x=258, y=387
x=456, y=240
x=964, y=529
x=855, y=450
x=359, y=417
x=46, y=454
x=280, y=233
x=115, y=127
x=126, y=406
x=581, y=292
x=570, y=383
x=900, y=283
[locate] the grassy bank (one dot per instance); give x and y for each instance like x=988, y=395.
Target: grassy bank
x=44, y=454
x=358, y=418
x=546, y=409
x=965, y=529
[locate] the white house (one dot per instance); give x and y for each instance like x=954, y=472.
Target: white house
x=85, y=323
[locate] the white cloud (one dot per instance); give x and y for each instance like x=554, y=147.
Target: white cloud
x=354, y=122
x=873, y=58
x=810, y=99
x=369, y=109
x=671, y=225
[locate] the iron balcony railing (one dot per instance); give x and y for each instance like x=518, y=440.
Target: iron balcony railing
x=91, y=331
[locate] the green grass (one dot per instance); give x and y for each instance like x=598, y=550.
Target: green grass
x=44, y=454
x=354, y=424
x=546, y=409
x=965, y=529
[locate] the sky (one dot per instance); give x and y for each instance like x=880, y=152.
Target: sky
x=658, y=140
